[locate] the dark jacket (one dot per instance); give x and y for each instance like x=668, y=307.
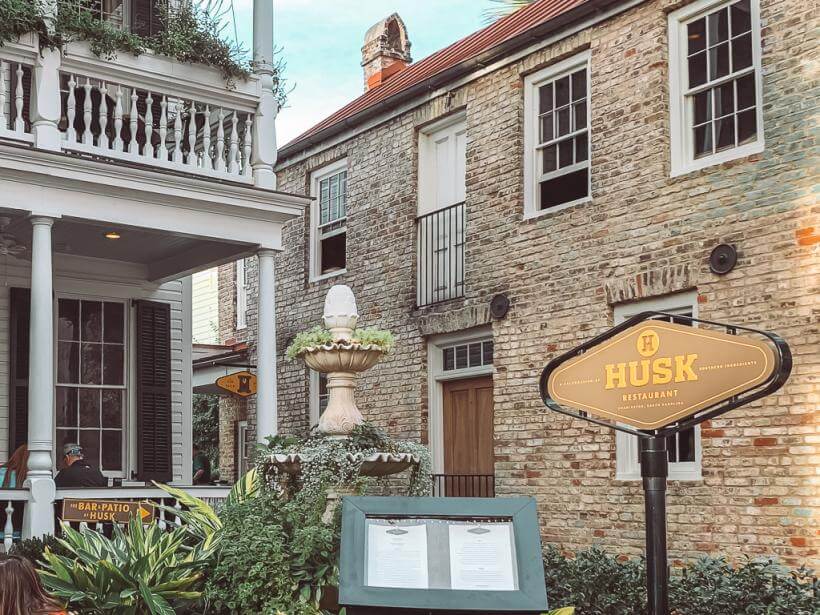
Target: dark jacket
x=80, y=474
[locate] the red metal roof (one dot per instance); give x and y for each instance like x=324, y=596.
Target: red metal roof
x=468, y=47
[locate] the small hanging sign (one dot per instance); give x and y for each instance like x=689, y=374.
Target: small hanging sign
x=241, y=384
x=106, y=511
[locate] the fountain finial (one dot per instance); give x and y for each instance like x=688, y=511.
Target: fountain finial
x=341, y=314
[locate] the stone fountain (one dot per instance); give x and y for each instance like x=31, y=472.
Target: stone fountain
x=343, y=360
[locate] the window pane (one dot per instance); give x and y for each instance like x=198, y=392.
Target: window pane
x=579, y=84
x=581, y=148
x=565, y=153
x=563, y=122
x=564, y=188
x=487, y=352
x=475, y=355
x=546, y=128
x=746, y=126
x=697, y=69
x=580, y=116
x=718, y=24
x=549, y=158
x=696, y=33
x=725, y=99
x=461, y=357
x=703, y=140
x=90, y=441
x=671, y=449
x=686, y=445
x=562, y=91
x=68, y=362
x=69, y=320
x=703, y=107
x=449, y=358
x=725, y=133
x=719, y=61
x=742, y=52
x=746, y=92
x=91, y=321
x=65, y=436
x=89, y=407
x=91, y=361
x=112, y=408
x=741, y=17
x=333, y=253
x=113, y=364
x=545, y=98
x=113, y=315
x=112, y=450
x=66, y=407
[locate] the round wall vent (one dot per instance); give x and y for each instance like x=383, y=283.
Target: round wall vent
x=499, y=306
x=723, y=259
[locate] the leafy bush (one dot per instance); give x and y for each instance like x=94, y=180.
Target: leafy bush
x=318, y=336
x=276, y=555
x=205, y=428
x=141, y=569
x=599, y=584
x=33, y=549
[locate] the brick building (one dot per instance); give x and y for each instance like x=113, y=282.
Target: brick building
x=583, y=159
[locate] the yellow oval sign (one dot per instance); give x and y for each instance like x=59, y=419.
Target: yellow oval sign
x=655, y=373
x=241, y=384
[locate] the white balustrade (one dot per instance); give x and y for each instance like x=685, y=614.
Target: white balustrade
x=15, y=502
x=15, y=92
x=126, y=122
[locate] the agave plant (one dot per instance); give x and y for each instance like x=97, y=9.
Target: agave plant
x=139, y=571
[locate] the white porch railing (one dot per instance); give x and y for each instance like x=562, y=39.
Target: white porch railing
x=214, y=496
x=13, y=504
x=148, y=110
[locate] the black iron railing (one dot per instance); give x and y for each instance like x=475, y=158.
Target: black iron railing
x=464, y=485
x=440, y=271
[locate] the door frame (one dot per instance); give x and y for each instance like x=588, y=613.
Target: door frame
x=436, y=376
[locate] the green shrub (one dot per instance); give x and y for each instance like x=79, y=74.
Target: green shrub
x=599, y=584
x=318, y=336
x=33, y=549
x=275, y=555
x=140, y=570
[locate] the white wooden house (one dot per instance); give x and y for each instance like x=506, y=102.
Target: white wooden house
x=119, y=180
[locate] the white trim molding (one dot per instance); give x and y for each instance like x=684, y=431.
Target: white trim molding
x=436, y=376
x=627, y=465
x=316, y=177
x=681, y=96
x=532, y=140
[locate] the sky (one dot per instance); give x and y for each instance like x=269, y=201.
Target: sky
x=321, y=40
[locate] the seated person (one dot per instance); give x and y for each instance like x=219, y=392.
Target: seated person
x=77, y=472
x=201, y=467
x=13, y=472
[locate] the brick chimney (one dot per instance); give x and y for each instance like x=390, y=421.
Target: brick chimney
x=386, y=51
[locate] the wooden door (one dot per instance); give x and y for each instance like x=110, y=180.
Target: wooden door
x=469, y=457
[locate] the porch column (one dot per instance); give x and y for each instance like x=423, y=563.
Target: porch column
x=263, y=156
x=39, y=515
x=266, y=418
x=45, y=96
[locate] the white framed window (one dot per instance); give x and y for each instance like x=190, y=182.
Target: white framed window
x=557, y=136
x=328, y=227
x=715, y=83
x=319, y=396
x=241, y=294
x=91, y=385
x=684, y=449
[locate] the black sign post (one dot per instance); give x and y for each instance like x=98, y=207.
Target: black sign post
x=775, y=364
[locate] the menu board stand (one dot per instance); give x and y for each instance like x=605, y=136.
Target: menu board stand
x=418, y=556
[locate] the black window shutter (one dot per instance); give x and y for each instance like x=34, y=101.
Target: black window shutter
x=19, y=315
x=153, y=391
x=146, y=19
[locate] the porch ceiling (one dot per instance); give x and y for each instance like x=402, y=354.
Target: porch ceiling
x=164, y=254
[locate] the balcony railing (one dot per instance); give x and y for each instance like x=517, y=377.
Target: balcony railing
x=148, y=110
x=440, y=271
x=464, y=485
x=12, y=507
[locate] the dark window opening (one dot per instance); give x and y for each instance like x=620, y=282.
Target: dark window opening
x=333, y=253
x=564, y=188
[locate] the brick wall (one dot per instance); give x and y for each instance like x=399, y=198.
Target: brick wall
x=644, y=234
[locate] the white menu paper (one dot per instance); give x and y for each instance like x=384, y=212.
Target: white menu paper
x=481, y=557
x=397, y=556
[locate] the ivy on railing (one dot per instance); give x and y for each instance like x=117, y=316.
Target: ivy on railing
x=188, y=33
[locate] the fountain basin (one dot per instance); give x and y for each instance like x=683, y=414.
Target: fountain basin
x=341, y=357
x=374, y=464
